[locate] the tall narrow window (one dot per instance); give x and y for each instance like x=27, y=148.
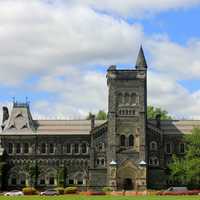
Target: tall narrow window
x=43, y=148
x=120, y=98
x=68, y=148
x=76, y=148
x=51, y=148
x=26, y=148
x=84, y=148
x=182, y=148
x=133, y=99
x=18, y=148
x=131, y=140
x=169, y=148
x=10, y=148
x=122, y=140
x=126, y=98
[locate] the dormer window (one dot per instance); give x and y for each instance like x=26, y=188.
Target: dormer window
x=19, y=115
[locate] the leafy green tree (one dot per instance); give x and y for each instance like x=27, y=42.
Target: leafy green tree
x=61, y=176
x=33, y=171
x=101, y=115
x=152, y=112
x=186, y=169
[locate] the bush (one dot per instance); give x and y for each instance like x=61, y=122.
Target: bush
x=70, y=190
x=29, y=191
x=107, y=189
x=60, y=190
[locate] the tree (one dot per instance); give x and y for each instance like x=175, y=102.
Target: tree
x=61, y=175
x=186, y=169
x=101, y=115
x=152, y=112
x=33, y=171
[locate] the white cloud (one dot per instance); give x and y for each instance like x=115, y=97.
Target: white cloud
x=165, y=92
x=181, y=62
x=138, y=8
x=62, y=42
x=77, y=94
x=36, y=37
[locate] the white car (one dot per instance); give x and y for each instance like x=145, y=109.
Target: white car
x=14, y=193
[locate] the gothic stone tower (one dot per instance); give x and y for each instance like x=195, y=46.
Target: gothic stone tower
x=126, y=138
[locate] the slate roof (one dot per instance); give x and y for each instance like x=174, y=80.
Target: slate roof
x=177, y=126
x=20, y=122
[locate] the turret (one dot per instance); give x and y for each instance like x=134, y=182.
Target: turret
x=141, y=61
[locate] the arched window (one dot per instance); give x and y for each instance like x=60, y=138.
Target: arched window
x=22, y=179
x=153, y=161
x=133, y=99
x=130, y=141
x=126, y=98
x=122, y=140
x=51, y=148
x=76, y=148
x=43, y=148
x=26, y=148
x=153, y=145
x=120, y=98
x=102, y=161
x=14, y=180
x=10, y=148
x=18, y=148
x=168, y=148
x=84, y=148
x=68, y=148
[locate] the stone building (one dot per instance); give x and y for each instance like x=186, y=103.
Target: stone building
x=124, y=152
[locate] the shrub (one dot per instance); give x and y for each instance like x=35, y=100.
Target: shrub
x=107, y=189
x=29, y=191
x=70, y=190
x=60, y=190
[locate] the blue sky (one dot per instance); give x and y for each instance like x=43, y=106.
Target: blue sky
x=57, y=53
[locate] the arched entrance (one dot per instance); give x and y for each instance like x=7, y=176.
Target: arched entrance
x=128, y=184
x=127, y=175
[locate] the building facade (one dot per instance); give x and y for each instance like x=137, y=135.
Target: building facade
x=126, y=151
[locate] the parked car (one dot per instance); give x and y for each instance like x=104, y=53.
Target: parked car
x=14, y=193
x=178, y=191
x=49, y=192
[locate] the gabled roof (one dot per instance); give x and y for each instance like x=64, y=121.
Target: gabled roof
x=20, y=119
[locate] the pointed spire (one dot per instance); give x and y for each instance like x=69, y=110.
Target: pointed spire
x=141, y=61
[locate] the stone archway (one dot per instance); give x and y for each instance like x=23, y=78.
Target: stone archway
x=127, y=175
x=128, y=184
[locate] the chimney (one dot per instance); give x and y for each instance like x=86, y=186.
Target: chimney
x=158, y=116
x=92, y=118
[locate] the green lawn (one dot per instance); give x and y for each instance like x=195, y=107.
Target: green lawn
x=81, y=197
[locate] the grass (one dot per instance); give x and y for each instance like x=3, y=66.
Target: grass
x=82, y=197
